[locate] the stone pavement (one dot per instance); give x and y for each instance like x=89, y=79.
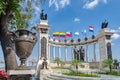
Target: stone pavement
x=56, y=75
x=64, y=77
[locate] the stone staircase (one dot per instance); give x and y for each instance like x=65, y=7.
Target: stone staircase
x=55, y=77
x=64, y=77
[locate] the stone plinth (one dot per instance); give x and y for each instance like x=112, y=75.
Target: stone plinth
x=46, y=71
x=21, y=74
x=84, y=68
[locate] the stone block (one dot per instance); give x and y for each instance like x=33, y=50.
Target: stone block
x=21, y=74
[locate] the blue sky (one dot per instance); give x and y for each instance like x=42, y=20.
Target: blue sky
x=77, y=15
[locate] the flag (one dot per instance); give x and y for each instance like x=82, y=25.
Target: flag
x=62, y=34
x=84, y=32
x=91, y=28
x=56, y=34
x=69, y=34
x=76, y=33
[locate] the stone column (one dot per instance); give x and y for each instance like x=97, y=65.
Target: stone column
x=39, y=48
x=49, y=52
x=72, y=53
x=86, y=52
x=53, y=53
x=65, y=53
x=59, y=52
x=94, y=45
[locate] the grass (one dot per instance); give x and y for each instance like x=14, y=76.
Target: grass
x=59, y=68
x=111, y=73
x=80, y=74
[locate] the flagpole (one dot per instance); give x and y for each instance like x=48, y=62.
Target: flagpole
x=79, y=36
x=93, y=32
x=85, y=34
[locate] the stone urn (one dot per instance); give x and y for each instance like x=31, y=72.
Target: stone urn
x=24, y=43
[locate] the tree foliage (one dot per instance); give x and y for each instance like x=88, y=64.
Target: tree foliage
x=12, y=5
x=62, y=63
x=14, y=13
x=2, y=7
x=108, y=63
x=75, y=63
x=57, y=60
x=21, y=11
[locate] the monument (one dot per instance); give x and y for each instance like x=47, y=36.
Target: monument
x=43, y=59
x=104, y=40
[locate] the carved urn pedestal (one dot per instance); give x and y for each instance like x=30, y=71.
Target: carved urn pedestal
x=24, y=43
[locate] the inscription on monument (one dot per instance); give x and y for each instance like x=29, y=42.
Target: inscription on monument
x=109, y=51
x=43, y=47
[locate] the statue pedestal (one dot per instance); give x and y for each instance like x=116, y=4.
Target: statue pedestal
x=85, y=68
x=21, y=74
x=46, y=71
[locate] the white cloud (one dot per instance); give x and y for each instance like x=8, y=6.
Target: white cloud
x=113, y=30
x=77, y=20
x=91, y=4
x=119, y=28
x=116, y=36
x=59, y=3
x=37, y=8
x=105, y=1
x=63, y=3
x=51, y=2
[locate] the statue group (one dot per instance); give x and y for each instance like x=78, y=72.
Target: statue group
x=79, y=54
x=43, y=16
x=104, y=24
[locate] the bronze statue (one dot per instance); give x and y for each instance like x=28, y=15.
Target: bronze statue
x=104, y=24
x=82, y=53
x=79, y=54
x=115, y=64
x=76, y=53
x=43, y=16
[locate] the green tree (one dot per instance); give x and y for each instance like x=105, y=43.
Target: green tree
x=108, y=63
x=115, y=63
x=57, y=60
x=62, y=63
x=11, y=11
x=75, y=63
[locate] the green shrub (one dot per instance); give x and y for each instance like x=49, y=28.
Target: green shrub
x=80, y=74
x=111, y=73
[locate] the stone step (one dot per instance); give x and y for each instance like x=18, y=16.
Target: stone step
x=47, y=78
x=54, y=77
x=64, y=77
